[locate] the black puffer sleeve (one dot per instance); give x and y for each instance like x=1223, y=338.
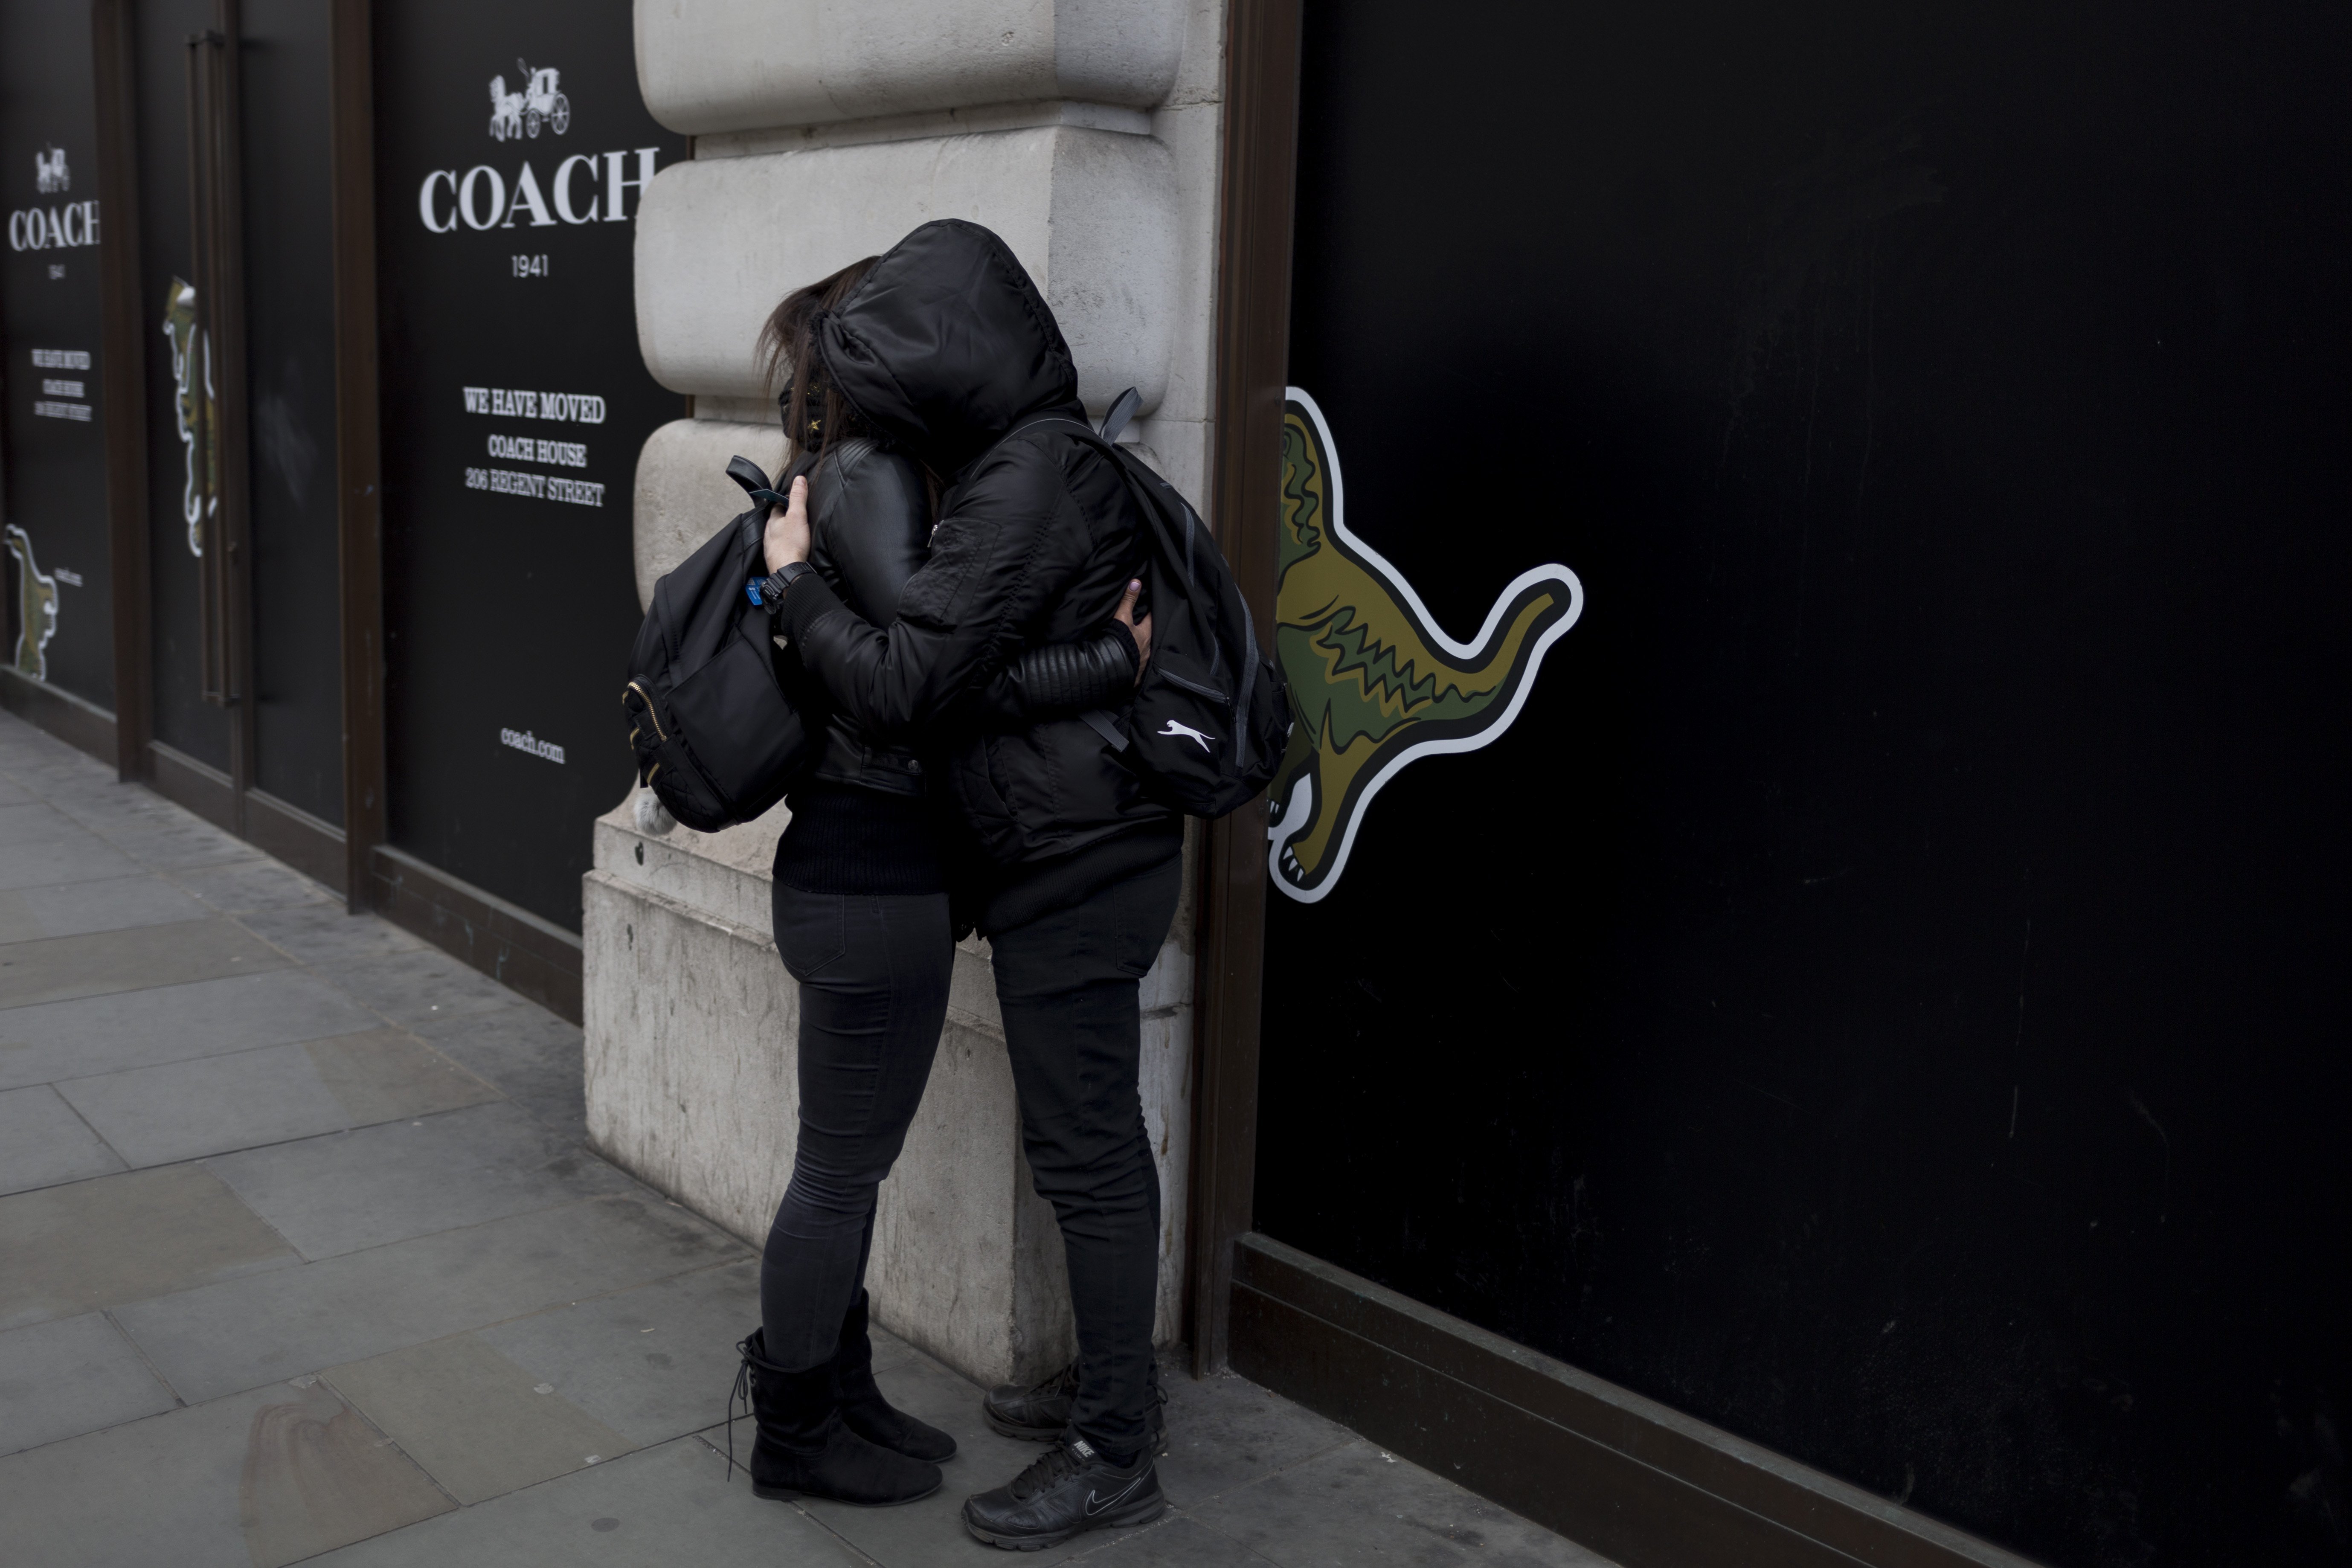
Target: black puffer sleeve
x=870, y=526
x=1063, y=679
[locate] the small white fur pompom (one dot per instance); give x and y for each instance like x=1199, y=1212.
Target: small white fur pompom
x=653, y=816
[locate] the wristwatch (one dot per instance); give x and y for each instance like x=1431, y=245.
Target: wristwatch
x=768, y=591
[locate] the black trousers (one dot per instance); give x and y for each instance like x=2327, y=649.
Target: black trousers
x=873, y=971
x=1068, y=983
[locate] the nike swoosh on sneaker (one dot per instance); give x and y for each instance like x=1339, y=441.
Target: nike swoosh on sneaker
x=1096, y=1505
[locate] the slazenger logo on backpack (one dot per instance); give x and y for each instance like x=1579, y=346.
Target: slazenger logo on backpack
x=1188, y=732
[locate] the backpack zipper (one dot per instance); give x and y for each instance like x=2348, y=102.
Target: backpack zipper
x=650, y=714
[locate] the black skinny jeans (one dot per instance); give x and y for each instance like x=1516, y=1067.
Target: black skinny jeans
x=873, y=971
x=1068, y=983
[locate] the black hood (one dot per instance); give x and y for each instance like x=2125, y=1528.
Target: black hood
x=945, y=344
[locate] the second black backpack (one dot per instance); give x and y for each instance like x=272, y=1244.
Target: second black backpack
x=718, y=736
x=1212, y=715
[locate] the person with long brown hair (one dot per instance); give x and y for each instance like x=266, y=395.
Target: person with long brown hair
x=863, y=923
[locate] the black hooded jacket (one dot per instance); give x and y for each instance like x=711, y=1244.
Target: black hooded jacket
x=946, y=347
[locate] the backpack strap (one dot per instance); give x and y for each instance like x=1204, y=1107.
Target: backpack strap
x=754, y=480
x=1122, y=409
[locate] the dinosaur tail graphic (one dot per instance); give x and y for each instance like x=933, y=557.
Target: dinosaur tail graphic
x=1377, y=684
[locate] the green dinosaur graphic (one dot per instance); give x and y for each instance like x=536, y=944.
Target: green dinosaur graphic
x=192, y=374
x=1374, y=683
x=36, y=607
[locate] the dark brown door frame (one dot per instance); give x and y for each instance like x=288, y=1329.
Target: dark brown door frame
x=358, y=454
x=1252, y=358
x=122, y=351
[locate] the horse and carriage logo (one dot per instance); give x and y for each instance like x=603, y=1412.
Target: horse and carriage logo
x=49, y=171
x=539, y=102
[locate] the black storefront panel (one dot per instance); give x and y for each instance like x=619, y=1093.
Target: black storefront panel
x=184, y=383
x=1882, y=992
x=512, y=153
x=59, y=620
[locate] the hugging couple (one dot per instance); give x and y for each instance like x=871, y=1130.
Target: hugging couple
x=962, y=590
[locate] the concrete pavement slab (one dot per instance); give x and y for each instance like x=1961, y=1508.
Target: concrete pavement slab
x=71, y=1375
x=78, y=856
x=177, y=843
x=244, y=1099
x=110, y=904
x=102, y=804
x=43, y=1142
x=1357, y=1504
x=244, y=1333
x=479, y=1425
x=1226, y=1431
x=384, y=1074
x=57, y=968
x=182, y=1110
x=653, y=1364
x=253, y=886
x=535, y=1057
x=666, y=1505
x=328, y=933
x=35, y=822
x=124, y=1239
x=171, y=1023
x=12, y=792
x=386, y=1184
x=1179, y=1540
x=261, y=1479
x=417, y=987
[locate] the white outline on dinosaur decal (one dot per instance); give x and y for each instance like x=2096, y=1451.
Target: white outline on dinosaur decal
x=1300, y=806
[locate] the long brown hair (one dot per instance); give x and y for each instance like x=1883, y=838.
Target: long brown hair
x=788, y=346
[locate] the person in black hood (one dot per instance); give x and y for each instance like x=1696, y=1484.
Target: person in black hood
x=861, y=908
x=946, y=348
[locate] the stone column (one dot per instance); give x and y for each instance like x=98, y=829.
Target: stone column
x=1086, y=132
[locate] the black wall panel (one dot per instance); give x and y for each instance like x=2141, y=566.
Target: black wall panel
x=53, y=555
x=510, y=599
x=290, y=376
x=1886, y=992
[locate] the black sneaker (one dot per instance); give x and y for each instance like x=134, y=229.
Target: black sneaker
x=1069, y=1491
x=1042, y=1414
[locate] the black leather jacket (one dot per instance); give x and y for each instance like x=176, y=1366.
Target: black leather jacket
x=870, y=527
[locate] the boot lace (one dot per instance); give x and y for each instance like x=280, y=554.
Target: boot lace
x=1063, y=1381
x=740, y=1395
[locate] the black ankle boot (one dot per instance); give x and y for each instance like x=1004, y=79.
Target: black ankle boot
x=805, y=1449
x=864, y=1409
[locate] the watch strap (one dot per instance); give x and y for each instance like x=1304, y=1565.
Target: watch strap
x=768, y=591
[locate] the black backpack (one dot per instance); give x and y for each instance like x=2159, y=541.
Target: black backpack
x=1211, y=716
x=718, y=736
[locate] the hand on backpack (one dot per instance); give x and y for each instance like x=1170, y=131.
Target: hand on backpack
x=1124, y=615
x=787, y=538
